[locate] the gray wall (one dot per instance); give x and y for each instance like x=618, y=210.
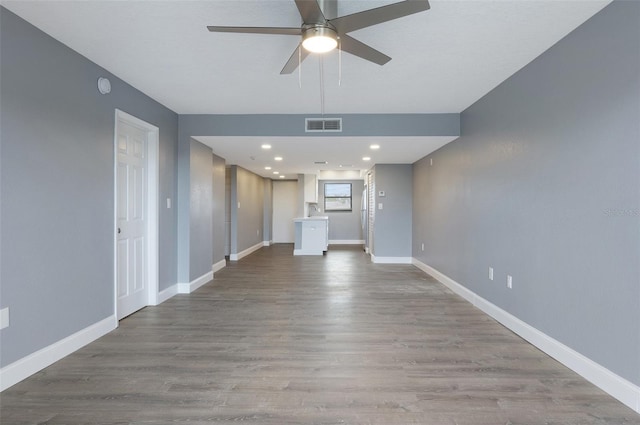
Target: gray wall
x=267, y=223
x=303, y=208
x=232, y=177
x=204, y=204
x=219, y=207
x=293, y=125
x=201, y=210
x=248, y=220
x=544, y=185
x=227, y=211
x=57, y=184
x=392, y=227
x=343, y=225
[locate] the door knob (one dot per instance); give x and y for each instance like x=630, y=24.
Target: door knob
x=118, y=230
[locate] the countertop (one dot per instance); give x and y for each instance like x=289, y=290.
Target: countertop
x=315, y=217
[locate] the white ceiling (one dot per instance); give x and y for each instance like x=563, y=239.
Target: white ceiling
x=443, y=59
x=299, y=154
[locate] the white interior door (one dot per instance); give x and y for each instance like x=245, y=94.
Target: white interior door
x=131, y=216
x=285, y=209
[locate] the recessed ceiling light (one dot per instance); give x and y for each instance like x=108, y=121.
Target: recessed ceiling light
x=278, y=158
x=374, y=147
x=366, y=158
x=267, y=168
x=276, y=172
x=282, y=177
x=266, y=146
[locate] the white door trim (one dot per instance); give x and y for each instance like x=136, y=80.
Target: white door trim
x=152, y=220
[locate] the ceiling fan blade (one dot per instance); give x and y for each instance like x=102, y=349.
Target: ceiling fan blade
x=358, y=48
x=378, y=15
x=296, y=58
x=257, y=30
x=310, y=12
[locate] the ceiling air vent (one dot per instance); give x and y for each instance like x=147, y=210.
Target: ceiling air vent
x=323, y=124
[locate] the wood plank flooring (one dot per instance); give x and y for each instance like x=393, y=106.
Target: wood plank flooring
x=278, y=339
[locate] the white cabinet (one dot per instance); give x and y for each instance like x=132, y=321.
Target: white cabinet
x=310, y=188
x=312, y=235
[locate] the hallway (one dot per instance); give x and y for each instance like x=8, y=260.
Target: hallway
x=278, y=339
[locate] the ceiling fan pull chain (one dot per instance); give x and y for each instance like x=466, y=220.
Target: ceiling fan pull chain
x=300, y=65
x=321, y=63
x=339, y=62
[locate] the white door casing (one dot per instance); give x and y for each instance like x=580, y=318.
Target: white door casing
x=371, y=213
x=136, y=214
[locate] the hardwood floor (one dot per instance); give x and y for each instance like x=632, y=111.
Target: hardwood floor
x=278, y=339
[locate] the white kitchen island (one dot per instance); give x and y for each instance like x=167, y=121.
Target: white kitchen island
x=311, y=235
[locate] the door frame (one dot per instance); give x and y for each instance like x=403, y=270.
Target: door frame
x=151, y=210
x=371, y=212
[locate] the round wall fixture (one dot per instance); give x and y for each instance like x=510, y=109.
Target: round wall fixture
x=104, y=85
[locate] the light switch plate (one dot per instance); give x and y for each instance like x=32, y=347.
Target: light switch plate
x=4, y=318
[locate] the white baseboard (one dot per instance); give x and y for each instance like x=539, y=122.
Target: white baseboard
x=219, y=266
x=35, y=362
x=267, y=243
x=346, y=242
x=615, y=385
x=165, y=294
x=187, y=288
x=390, y=260
x=242, y=254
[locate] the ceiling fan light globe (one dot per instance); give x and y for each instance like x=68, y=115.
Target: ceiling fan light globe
x=320, y=40
x=319, y=44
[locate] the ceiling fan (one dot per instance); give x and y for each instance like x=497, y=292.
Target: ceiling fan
x=320, y=34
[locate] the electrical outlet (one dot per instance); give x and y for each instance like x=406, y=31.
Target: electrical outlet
x=430, y=161
x=490, y=273
x=509, y=281
x=423, y=246
x=168, y=203
x=380, y=206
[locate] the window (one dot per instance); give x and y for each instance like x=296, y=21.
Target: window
x=337, y=196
